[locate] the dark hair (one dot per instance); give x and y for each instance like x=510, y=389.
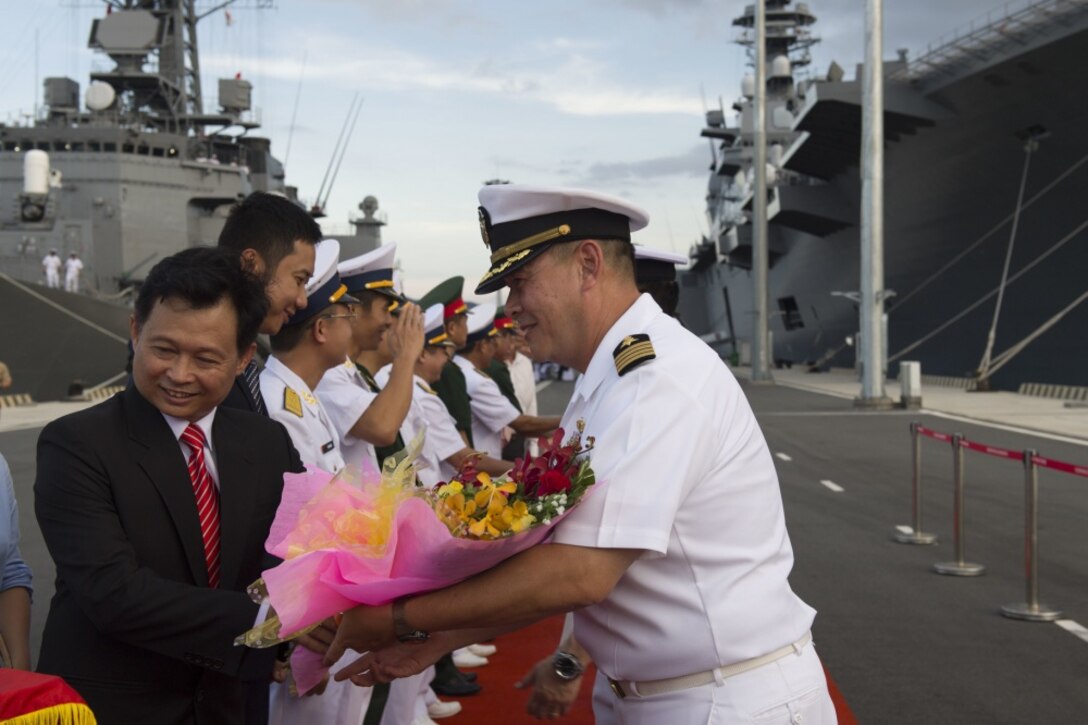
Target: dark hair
x=269, y=224
x=289, y=336
x=201, y=277
x=665, y=293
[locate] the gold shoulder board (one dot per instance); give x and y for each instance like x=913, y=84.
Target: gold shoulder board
x=633, y=351
x=291, y=402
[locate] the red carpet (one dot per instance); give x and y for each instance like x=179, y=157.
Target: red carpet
x=500, y=704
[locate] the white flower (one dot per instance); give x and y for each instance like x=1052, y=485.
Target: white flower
x=559, y=511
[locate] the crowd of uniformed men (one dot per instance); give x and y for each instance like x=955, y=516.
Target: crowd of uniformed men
x=155, y=504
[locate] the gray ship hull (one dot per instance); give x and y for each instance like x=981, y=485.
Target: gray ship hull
x=951, y=177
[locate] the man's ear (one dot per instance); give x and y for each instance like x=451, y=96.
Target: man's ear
x=589, y=257
x=243, y=361
x=133, y=330
x=253, y=263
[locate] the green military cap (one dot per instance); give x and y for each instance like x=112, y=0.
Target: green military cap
x=447, y=294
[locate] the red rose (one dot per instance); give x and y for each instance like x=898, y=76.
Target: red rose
x=553, y=482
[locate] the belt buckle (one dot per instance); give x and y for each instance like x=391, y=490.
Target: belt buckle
x=617, y=688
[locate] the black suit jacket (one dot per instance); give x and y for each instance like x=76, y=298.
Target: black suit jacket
x=133, y=626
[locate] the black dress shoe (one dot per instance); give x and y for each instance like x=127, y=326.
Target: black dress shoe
x=455, y=687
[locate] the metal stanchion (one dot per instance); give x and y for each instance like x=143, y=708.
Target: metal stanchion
x=916, y=536
x=1031, y=610
x=959, y=567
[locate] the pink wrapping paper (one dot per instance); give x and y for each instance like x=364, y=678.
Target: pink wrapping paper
x=419, y=555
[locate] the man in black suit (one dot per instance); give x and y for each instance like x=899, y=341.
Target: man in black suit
x=155, y=505
x=275, y=238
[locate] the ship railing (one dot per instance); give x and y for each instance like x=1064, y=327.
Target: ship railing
x=1031, y=609
x=1013, y=25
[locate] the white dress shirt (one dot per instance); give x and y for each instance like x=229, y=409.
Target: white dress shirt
x=345, y=396
x=684, y=474
x=491, y=411
x=312, y=432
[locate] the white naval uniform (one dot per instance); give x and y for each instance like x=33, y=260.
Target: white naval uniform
x=51, y=264
x=441, y=439
x=72, y=268
x=524, y=380
x=318, y=445
x=685, y=475
x=345, y=396
x=491, y=411
x=312, y=432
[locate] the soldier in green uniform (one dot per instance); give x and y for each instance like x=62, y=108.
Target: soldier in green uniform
x=451, y=386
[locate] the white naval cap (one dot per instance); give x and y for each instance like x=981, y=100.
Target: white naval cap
x=519, y=221
x=371, y=272
x=656, y=265
x=434, y=327
x=324, y=288
x=481, y=322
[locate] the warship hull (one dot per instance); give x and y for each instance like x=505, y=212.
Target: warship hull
x=954, y=161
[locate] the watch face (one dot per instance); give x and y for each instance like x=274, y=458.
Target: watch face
x=567, y=666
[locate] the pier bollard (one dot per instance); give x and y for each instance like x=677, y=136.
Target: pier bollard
x=959, y=567
x=1031, y=610
x=916, y=535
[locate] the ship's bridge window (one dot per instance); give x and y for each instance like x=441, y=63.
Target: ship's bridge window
x=791, y=315
x=158, y=151
x=76, y=146
x=128, y=148
x=43, y=145
x=94, y=146
x=11, y=146
x=110, y=148
x=143, y=150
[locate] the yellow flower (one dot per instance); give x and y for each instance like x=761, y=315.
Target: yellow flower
x=450, y=488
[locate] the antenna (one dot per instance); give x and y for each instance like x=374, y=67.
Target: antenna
x=343, y=153
x=337, y=154
x=294, y=113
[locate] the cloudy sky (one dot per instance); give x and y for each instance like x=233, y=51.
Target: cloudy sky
x=605, y=94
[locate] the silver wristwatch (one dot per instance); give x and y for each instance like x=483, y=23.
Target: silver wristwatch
x=567, y=666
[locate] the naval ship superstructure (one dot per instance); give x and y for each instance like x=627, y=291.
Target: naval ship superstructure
x=125, y=173
x=985, y=142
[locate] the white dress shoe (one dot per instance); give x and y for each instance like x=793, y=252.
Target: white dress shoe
x=438, y=710
x=464, y=659
x=482, y=650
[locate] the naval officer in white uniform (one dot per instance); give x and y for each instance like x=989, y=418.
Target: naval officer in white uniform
x=676, y=568
x=343, y=390
x=444, y=451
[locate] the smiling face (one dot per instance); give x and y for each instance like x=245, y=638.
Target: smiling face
x=545, y=300
x=285, y=286
x=372, y=321
x=184, y=360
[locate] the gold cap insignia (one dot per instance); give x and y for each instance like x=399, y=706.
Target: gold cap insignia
x=291, y=402
x=633, y=350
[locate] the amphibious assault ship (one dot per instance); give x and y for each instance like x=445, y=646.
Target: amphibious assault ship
x=986, y=173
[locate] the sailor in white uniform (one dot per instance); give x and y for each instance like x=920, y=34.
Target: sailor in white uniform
x=682, y=595
x=72, y=267
x=314, y=339
x=491, y=411
x=51, y=266
x=364, y=416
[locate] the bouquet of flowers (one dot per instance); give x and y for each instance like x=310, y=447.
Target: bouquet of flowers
x=358, y=537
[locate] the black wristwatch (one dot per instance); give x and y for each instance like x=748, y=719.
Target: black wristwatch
x=401, y=630
x=567, y=666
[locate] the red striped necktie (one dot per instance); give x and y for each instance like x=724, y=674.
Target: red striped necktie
x=207, y=500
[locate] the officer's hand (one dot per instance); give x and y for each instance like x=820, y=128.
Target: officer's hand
x=318, y=639
x=552, y=697
x=396, y=661
x=362, y=629
x=405, y=337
